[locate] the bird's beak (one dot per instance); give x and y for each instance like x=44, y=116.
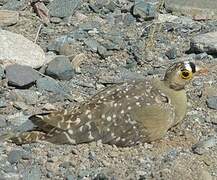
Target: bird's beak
x=201, y=71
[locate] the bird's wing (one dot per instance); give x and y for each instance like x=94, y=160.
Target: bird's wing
x=116, y=115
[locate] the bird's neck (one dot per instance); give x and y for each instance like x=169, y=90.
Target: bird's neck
x=177, y=98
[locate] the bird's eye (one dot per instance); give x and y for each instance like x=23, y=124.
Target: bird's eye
x=185, y=74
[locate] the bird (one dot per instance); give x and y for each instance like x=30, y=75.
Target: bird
x=124, y=114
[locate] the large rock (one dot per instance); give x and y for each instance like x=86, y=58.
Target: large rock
x=198, y=9
x=15, y=48
x=8, y=18
x=205, y=43
x=21, y=76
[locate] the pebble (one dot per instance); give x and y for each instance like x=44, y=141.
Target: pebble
x=15, y=155
x=212, y=102
x=32, y=173
x=15, y=48
x=60, y=68
x=203, y=146
x=21, y=76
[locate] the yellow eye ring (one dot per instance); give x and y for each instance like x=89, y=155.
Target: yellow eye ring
x=185, y=74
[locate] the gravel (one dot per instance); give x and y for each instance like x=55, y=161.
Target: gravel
x=102, y=43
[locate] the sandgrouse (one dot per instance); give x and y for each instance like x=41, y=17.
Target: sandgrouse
x=123, y=114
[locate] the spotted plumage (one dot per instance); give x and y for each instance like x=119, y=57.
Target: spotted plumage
x=124, y=114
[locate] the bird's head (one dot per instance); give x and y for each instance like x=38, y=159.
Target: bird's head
x=181, y=73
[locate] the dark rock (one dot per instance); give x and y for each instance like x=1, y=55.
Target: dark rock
x=63, y=8
x=21, y=76
x=212, y=102
x=15, y=155
x=60, y=68
x=50, y=85
x=171, y=53
x=33, y=173
x=2, y=74
x=15, y=5
x=145, y=9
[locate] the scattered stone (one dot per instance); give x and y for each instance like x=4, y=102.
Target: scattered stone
x=201, y=8
x=26, y=126
x=92, y=44
x=64, y=8
x=203, y=146
x=171, y=53
x=205, y=43
x=60, y=68
x=28, y=96
x=212, y=102
x=8, y=18
x=21, y=76
x=55, y=20
x=102, y=51
x=66, y=164
x=145, y=9
x=16, y=5
x=14, y=48
x=50, y=85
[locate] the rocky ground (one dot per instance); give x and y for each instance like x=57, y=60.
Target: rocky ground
x=100, y=43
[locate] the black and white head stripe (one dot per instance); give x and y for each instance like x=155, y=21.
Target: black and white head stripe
x=190, y=66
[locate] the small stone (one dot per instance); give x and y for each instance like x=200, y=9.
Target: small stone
x=102, y=51
x=92, y=44
x=3, y=122
x=55, y=20
x=171, y=53
x=63, y=8
x=203, y=146
x=15, y=155
x=60, y=68
x=66, y=164
x=50, y=85
x=21, y=76
x=212, y=102
x=145, y=9
x=8, y=18
x=204, y=43
x=70, y=177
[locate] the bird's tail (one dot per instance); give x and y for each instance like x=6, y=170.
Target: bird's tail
x=22, y=138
